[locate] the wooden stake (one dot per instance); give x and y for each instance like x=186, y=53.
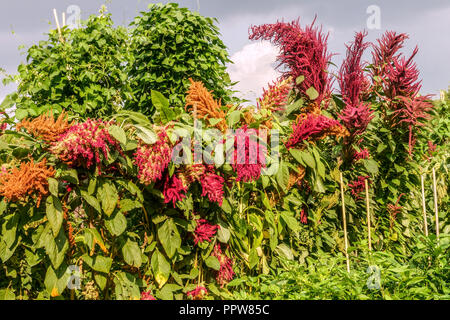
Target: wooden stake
x=435, y=203
x=424, y=210
x=63, y=19
x=344, y=219
x=368, y=213
x=57, y=25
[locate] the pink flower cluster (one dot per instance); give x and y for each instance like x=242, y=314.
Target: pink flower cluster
x=212, y=186
x=204, y=231
x=249, y=155
x=152, y=160
x=225, y=273
x=275, y=97
x=363, y=154
x=84, y=143
x=303, y=52
x=358, y=186
x=147, y=296
x=304, y=216
x=310, y=126
x=173, y=190
x=356, y=118
x=198, y=293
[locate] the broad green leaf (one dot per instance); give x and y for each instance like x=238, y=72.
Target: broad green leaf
x=234, y=118
x=54, y=212
x=91, y=200
x=160, y=267
x=146, y=135
x=162, y=105
x=283, y=176
x=132, y=253
x=53, y=186
x=116, y=223
x=290, y=221
x=213, y=263
x=169, y=237
x=109, y=196
x=98, y=262
x=118, y=133
x=312, y=93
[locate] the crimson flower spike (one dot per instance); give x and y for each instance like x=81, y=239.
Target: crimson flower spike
x=351, y=74
x=303, y=52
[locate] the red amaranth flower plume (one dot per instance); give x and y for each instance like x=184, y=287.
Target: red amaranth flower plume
x=356, y=118
x=303, y=52
x=198, y=293
x=304, y=216
x=351, y=74
x=84, y=143
x=275, y=97
x=225, y=273
x=147, y=296
x=363, y=154
x=356, y=114
x=173, y=190
x=358, y=186
x=212, y=186
x=204, y=231
x=249, y=155
x=411, y=113
x=397, y=75
x=311, y=126
x=152, y=160
x=386, y=50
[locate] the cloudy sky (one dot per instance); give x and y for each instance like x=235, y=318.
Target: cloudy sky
x=24, y=22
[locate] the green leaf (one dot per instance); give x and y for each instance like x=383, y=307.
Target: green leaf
x=56, y=280
x=297, y=154
x=98, y=263
x=54, y=213
x=56, y=248
x=300, y=79
x=126, y=286
x=53, y=186
x=91, y=200
x=169, y=237
x=290, y=221
x=116, y=223
x=146, y=135
x=213, y=263
x=223, y=233
x=160, y=267
x=21, y=114
x=109, y=196
x=283, y=175
x=312, y=93
x=308, y=159
x=371, y=166
x=284, y=250
x=253, y=258
x=162, y=105
x=234, y=118
x=132, y=253
x=118, y=133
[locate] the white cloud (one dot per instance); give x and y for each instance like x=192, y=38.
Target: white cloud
x=253, y=67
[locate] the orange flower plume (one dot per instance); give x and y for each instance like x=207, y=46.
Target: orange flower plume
x=31, y=179
x=45, y=127
x=207, y=108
